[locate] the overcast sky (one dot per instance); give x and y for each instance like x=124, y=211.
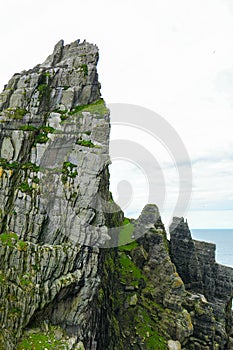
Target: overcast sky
x=173, y=57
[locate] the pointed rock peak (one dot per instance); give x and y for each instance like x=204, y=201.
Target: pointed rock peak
x=57, y=52
x=56, y=56
x=180, y=226
x=149, y=219
x=68, y=78
x=150, y=215
x=59, y=45
x=72, y=54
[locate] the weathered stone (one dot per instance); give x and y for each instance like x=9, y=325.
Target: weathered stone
x=7, y=150
x=174, y=345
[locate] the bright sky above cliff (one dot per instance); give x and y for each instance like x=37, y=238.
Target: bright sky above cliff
x=173, y=57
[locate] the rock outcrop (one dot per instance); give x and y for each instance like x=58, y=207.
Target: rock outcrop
x=61, y=287
x=53, y=172
x=210, y=286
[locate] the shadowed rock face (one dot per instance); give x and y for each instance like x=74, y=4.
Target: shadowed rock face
x=195, y=263
x=56, y=280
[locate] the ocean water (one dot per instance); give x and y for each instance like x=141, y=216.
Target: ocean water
x=223, y=238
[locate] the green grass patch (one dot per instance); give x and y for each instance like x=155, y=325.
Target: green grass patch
x=25, y=187
x=41, y=138
x=25, y=282
x=47, y=129
x=15, y=311
x=16, y=113
x=36, y=180
x=64, y=117
x=28, y=128
x=130, y=274
x=146, y=328
x=43, y=87
x=125, y=234
x=2, y=279
x=43, y=131
x=22, y=246
x=15, y=165
x=9, y=238
x=63, y=114
x=4, y=163
x=57, y=110
x=41, y=340
x=98, y=108
x=128, y=247
x=84, y=68
x=30, y=166
x=85, y=143
x=68, y=171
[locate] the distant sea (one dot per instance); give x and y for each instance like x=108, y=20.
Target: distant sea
x=223, y=238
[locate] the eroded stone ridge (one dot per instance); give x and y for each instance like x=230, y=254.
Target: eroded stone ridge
x=207, y=281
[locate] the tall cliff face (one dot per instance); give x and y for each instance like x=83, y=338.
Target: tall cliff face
x=60, y=286
x=53, y=169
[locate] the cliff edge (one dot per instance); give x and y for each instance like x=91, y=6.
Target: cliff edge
x=61, y=286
